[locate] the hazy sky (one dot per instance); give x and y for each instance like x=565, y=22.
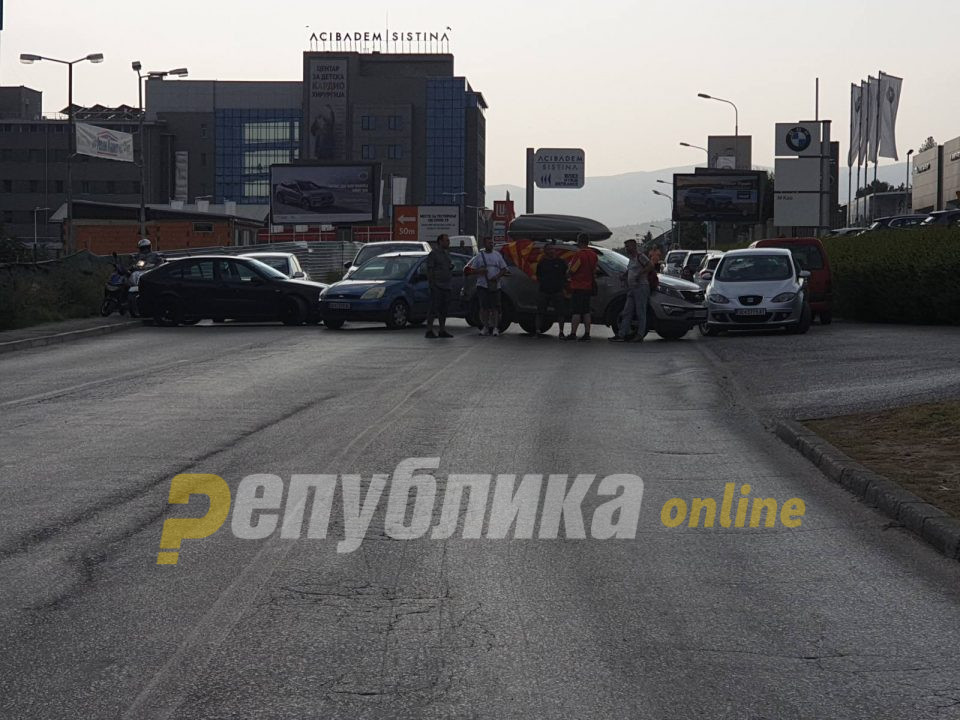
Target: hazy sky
x=618, y=78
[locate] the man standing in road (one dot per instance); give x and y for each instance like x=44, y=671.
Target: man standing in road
x=638, y=294
x=583, y=269
x=551, y=279
x=440, y=276
x=491, y=267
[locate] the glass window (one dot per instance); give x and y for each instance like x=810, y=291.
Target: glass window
x=386, y=268
x=755, y=268
x=203, y=227
x=368, y=152
x=195, y=270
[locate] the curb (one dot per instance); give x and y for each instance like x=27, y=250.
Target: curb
x=931, y=523
x=56, y=338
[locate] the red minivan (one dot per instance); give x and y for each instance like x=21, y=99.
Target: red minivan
x=810, y=255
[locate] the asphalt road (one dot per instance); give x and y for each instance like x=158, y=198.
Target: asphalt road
x=844, y=617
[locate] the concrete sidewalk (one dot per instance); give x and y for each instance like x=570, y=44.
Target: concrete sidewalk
x=65, y=331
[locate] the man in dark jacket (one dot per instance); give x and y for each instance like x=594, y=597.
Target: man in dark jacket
x=551, y=279
x=440, y=275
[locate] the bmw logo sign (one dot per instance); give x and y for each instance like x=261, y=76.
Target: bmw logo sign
x=799, y=139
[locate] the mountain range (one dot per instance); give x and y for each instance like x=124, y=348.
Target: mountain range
x=627, y=199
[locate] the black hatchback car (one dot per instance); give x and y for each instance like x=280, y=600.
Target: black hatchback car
x=187, y=290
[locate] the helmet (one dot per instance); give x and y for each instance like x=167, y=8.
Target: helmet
x=144, y=244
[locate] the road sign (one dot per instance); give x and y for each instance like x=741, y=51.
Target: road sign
x=559, y=168
x=425, y=222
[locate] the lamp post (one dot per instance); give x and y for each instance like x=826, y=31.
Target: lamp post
x=35, y=211
x=907, y=200
x=675, y=238
x=461, y=195
x=697, y=147
x=29, y=59
x=736, y=113
x=177, y=72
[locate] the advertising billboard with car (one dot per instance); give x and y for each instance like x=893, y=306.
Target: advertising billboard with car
x=718, y=197
x=324, y=194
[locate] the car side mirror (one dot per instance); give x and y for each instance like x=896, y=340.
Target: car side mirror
x=804, y=274
x=347, y=265
x=706, y=275
x=298, y=274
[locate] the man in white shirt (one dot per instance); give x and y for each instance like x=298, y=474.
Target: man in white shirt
x=491, y=267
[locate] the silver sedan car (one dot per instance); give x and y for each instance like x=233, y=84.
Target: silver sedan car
x=757, y=289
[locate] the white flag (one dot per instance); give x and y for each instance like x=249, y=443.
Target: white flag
x=873, y=126
x=864, y=130
x=856, y=105
x=104, y=143
x=889, y=105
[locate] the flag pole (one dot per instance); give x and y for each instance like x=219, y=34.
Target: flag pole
x=876, y=162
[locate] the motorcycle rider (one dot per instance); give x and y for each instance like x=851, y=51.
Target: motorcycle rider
x=145, y=253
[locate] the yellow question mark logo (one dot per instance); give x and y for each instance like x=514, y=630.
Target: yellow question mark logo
x=176, y=530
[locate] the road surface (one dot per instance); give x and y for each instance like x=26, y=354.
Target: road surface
x=846, y=616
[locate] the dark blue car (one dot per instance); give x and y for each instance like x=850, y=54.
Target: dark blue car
x=391, y=289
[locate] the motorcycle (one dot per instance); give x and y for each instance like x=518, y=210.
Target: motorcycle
x=115, y=291
x=133, y=286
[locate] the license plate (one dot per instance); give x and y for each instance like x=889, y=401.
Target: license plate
x=752, y=311
x=339, y=306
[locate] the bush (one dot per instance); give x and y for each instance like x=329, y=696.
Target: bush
x=905, y=276
x=48, y=292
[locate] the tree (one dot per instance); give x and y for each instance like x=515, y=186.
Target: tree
x=875, y=186
x=647, y=238
x=928, y=144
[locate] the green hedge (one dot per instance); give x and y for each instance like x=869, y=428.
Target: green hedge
x=905, y=276
x=51, y=291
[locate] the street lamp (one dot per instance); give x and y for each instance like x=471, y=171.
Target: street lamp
x=29, y=59
x=697, y=147
x=154, y=75
x=907, y=204
x=675, y=238
x=462, y=195
x=736, y=113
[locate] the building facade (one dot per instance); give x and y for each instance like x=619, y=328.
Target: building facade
x=33, y=164
x=936, y=177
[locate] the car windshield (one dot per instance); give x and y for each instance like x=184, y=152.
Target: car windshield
x=277, y=262
x=266, y=270
x=675, y=258
x=694, y=259
x=753, y=268
x=371, y=251
x=613, y=261
x=386, y=268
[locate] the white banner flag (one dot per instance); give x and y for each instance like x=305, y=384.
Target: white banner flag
x=103, y=143
x=864, y=115
x=873, y=125
x=889, y=105
x=856, y=106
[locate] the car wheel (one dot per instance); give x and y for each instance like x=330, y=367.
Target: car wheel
x=106, y=308
x=806, y=320
x=293, y=311
x=399, y=315
x=473, y=313
x=528, y=324
x=670, y=331
x=333, y=324
x=167, y=313
x=190, y=321
x=305, y=203
x=708, y=331
x=826, y=317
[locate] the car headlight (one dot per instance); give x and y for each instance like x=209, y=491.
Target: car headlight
x=718, y=299
x=373, y=294
x=785, y=297
x=672, y=292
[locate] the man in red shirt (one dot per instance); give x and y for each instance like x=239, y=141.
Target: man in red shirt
x=583, y=268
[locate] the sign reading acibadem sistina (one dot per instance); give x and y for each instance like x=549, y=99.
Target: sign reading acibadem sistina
x=326, y=86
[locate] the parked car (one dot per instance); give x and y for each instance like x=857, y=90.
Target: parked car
x=675, y=307
x=304, y=194
x=673, y=262
x=391, y=289
x=845, y=232
x=221, y=287
x=704, y=272
x=896, y=222
x=811, y=256
x=943, y=218
x=464, y=244
x=371, y=250
x=286, y=263
x=758, y=289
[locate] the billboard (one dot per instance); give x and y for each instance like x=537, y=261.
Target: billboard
x=718, y=197
x=100, y=142
x=324, y=194
x=425, y=222
x=325, y=130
